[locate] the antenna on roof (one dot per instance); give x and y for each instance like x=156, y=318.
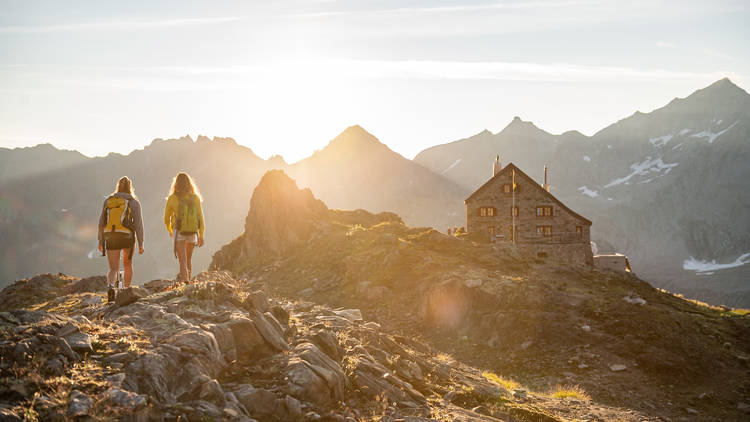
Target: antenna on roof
x=545, y=186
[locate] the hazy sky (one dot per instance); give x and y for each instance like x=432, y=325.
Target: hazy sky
x=287, y=76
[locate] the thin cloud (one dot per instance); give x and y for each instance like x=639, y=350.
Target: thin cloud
x=557, y=72
x=443, y=9
x=117, y=25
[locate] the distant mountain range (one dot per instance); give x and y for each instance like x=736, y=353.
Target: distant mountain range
x=50, y=202
x=668, y=188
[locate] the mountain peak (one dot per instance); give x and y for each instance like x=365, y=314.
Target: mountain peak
x=723, y=89
x=353, y=139
x=518, y=126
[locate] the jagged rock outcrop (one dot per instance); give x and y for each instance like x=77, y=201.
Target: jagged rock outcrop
x=282, y=215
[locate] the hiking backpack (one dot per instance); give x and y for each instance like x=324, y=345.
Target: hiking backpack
x=119, y=215
x=187, y=215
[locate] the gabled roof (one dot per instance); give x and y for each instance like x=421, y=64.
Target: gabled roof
x=512, y=166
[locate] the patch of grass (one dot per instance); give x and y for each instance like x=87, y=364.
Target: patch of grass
x=507, y=383
x=444, y=358
x=740, y=312
x=569, y=391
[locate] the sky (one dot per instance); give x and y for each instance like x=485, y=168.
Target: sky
x=285, y=77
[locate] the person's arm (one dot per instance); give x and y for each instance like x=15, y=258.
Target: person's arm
x=102, y=222
x=169, y=212
x=138, y=220
x=201, y=223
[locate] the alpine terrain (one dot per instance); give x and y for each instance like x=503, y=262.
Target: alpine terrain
x=667, y=188
x=320, y=314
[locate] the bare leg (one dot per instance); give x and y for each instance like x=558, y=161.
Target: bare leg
x=189, y=259
x=127, y=263
x=113, y=258
x=181, y=256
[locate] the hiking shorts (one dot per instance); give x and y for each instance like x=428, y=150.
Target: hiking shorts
x=115, y=241
x=187, y=238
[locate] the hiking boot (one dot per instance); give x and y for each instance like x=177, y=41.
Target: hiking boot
x=110, y=294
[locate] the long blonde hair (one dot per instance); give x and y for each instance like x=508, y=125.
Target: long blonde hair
x=182, y=185
x=124, y=185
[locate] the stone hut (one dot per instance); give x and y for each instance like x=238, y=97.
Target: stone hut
x=512, y=207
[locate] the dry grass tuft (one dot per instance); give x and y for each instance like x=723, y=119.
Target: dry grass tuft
x=569, y=391
x=507, y=383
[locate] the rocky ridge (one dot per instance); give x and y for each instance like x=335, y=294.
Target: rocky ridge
x=543, y=323
x=222, y=349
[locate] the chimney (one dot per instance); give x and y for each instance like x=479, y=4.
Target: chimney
x=496, y=166
x=545, y=186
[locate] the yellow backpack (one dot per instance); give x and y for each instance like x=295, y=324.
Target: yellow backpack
x=119, y=216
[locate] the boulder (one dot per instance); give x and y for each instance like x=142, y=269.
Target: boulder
x=93, y=284
x=256, y=300
x=350, y=314
x=201, y=348
x=617, y=367
x=314, y=376
x=257, y=401
x=155, y=286
x=150, y=375
x=280, y=314
x=59, y=345
x=306, y=384
x=127, y=296
x=211, y=391
x=327, y=343
x=271, y=332
x=80, y=342
x=126, y=399
x=79, y=404
x=249, y=343
x=225, y=339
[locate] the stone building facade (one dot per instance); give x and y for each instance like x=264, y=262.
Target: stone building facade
x=528, y=216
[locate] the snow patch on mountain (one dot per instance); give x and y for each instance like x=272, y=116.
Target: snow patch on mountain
x=660, y=141
x=684, y=131
x=451, y=166
x=711, y=135
x=702, y=266
x=649, y=165
x=677, y=146
x=588, y=192
x=586, y=158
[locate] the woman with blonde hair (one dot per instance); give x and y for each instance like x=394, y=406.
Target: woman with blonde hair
x=120, y=223
x=183, y=216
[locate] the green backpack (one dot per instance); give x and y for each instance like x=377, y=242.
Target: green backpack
x=187, y=215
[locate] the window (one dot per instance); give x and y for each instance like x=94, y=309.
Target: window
x=544, y=211
x=541, y=255
x=507, y=188
x=491, y=231
x=579, y=232
x=544, y=230
x=511, y=233
x=514, y=211
x=487, y=212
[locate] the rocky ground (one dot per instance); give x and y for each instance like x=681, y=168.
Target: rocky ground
x=221, y=349
x=541, y=323
x=318, y=314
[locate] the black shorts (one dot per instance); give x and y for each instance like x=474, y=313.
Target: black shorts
x=114, y=241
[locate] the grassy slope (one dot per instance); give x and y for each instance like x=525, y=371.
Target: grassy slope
x=525, y=320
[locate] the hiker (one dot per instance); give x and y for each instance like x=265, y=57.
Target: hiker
x=120, y=223
x=183, y=217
